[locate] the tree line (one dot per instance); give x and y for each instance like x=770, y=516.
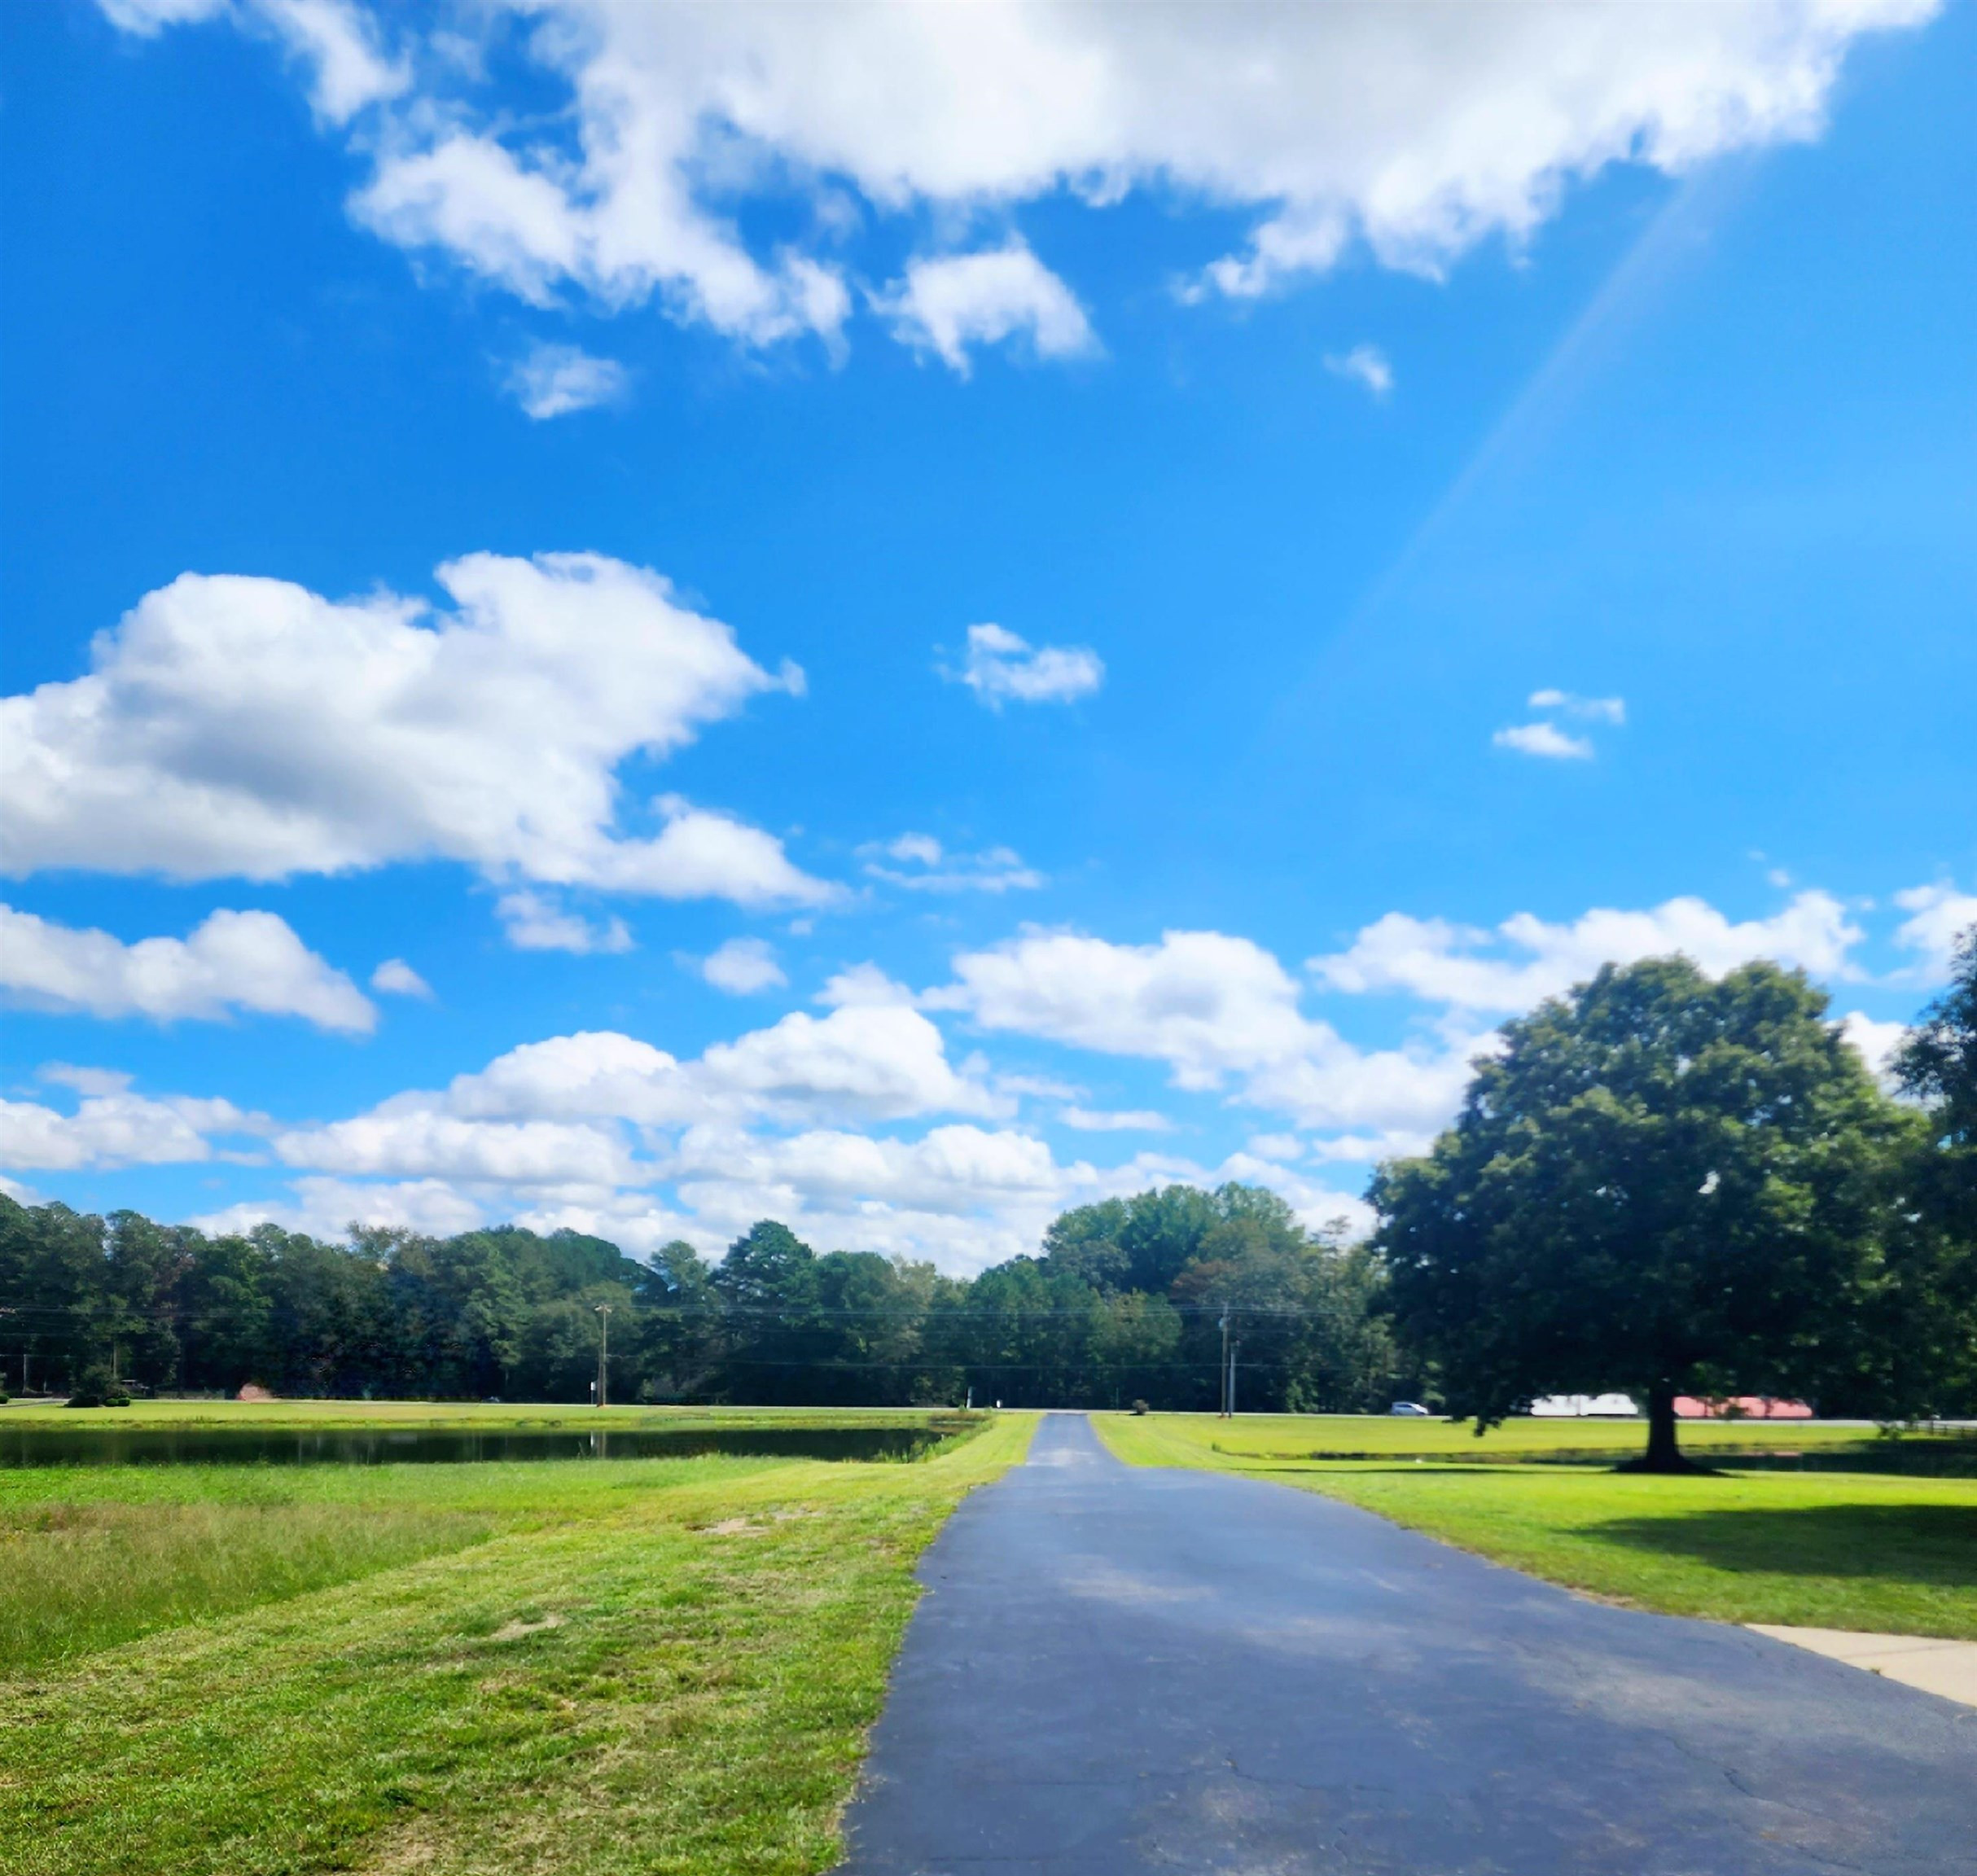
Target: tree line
x=1659, y=1182
x=1123, y=1302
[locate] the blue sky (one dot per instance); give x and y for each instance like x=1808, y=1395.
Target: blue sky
x=902, y=619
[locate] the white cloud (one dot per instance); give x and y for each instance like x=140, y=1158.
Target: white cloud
x=398, y=1140
x=1276, y=1147
x=1876, y=1041
x=111, y=1126
x=326, y=1208
x=534, y=921
x=1216, y=1009
x=338, y=43
x=1365, y=365
x=1587, y=709
x=1468, y=969
x=148, y=18
x=234, y=960
x=1202, y=1002
x=865, y=1060
x=1543, y=739
x=1001, y=668
x=743, y=967
x=1938, y=916
x=921, y=864
x=554, y=380
x=241, y=726
x=952, y=301
x=1411, y=132
x=396, y=978
x=1116, y=1120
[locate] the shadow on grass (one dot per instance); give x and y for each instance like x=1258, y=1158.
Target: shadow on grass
x=1913, y=1543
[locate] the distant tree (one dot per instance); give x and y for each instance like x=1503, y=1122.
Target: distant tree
x=1661, y=1183
x=768, y=1288
x=679, y=1324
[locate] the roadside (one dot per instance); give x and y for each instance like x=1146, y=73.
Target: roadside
x=653, y=1665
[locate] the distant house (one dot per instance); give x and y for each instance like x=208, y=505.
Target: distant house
x=1585, y=1407
x=1740, y=1407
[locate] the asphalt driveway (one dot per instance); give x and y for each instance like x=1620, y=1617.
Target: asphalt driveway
x=1120, y=1669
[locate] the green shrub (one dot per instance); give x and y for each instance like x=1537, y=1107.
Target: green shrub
x=98, y=1387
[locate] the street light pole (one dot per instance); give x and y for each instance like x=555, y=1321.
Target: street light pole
x=603, y=1351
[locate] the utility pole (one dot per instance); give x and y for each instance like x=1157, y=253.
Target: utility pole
x=603, y=1352
x=1227, y=1409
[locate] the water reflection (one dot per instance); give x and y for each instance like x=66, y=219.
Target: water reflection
x=362, y=1446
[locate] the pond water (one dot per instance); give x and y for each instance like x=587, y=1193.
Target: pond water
x=398, y=1446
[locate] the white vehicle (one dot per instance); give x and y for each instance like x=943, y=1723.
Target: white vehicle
x=1410, y=1410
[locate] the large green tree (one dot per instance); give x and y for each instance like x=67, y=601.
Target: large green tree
x=1661, y=1183
x=1937, y=1069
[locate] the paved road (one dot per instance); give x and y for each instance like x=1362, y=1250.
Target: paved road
x=1122, y=1671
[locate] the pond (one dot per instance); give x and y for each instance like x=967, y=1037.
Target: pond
x=363, y=1446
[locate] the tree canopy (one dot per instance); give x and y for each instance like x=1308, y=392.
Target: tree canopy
x=1660, y=1183
x=1121, y=1305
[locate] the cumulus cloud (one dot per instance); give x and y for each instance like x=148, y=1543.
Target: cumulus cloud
x=327, y=1207
x=554, y=380
x=234, y=960
x=743, y=967
x=404, y=1140
x=241, y=726
x=864, y=1061
x=1410, y=133
x=1545, y=739
x=533, y=921
x=921, y=864
x=950, y=302
x=396, y=978
x=1001, y=668
x=1219, y=1011
x=1876, y=1041
x=111, y=1126
x=1364, y=364
x=1938, y=916
x=1526, y=959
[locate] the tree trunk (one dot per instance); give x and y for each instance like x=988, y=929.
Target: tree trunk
x=1663, y=1454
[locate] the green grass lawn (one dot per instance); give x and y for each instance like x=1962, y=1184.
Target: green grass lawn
x=1380, y=1435
x=652, y=1665
x=1820, y=1549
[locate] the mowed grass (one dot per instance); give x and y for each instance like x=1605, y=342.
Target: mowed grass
x=1833, y=1549
x=1370, y=1436
x=601, y=1665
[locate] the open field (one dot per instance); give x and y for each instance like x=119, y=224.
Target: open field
x=1831, y=1549
x=665, y=1665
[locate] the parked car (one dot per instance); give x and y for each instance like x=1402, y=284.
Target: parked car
x=1410, y=1409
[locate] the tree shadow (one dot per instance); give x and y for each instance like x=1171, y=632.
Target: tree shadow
x=1933, y=1544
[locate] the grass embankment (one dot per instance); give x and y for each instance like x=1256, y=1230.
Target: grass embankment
x=658, y=1665
x=1829, y=1550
